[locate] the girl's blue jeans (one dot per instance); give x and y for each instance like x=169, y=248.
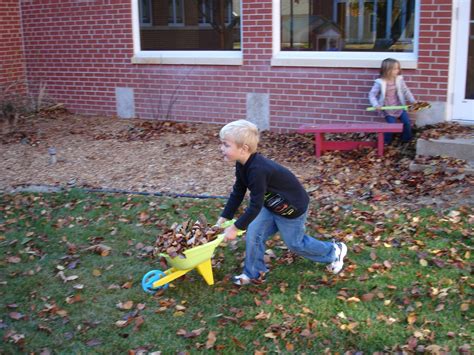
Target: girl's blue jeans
x=293, y=234
x=406, y=133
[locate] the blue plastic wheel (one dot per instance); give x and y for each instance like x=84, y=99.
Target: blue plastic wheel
x=150, y=278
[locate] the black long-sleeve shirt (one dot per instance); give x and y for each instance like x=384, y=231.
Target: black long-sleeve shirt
x=270, y=184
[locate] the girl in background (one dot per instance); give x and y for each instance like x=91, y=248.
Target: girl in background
x=390, y=90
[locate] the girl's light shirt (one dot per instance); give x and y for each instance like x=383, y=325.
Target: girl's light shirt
x=391, y=99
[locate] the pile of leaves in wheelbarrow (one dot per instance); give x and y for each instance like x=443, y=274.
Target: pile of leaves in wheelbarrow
x=183, y=236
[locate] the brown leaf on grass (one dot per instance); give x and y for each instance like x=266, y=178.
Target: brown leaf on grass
x=211, y=339
x=192, y=334
x=125, y=305
x=270, y=335
x=16, y=315
x=67, y=278
x=238, y=343
x=123, y=323
x=45, y=328
x=138, y=323
x=248, y=324
x=13, y=259
x=367, y=297
x=73, y=299
x=93, y=342
x=15, y=338
x=101, y=249
x=262, y=315
x=353, y=299
x=411, y=318
x=143, y=216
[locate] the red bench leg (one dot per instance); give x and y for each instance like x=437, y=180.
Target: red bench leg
x=318, y=142
x=380, y=144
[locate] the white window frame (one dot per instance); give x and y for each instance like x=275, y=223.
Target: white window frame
x=140, y=3
x=338, y=58
x=179, y=57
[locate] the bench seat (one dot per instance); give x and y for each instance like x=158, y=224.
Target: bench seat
x=322, y=145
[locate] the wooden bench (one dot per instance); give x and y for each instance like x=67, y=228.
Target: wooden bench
x=321, y=145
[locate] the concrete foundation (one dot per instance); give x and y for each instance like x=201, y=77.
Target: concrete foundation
x=258, y=110
x=125, y=102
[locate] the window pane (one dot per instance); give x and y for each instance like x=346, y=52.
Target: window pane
x=192, y=25
x=348, y=25
x=145, y=15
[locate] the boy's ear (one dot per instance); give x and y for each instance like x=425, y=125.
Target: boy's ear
x=246, y=147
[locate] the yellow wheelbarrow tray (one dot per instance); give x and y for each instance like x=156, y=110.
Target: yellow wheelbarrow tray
x=195, y=258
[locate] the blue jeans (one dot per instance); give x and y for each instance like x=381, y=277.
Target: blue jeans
x=293, y=234
x=406, y=133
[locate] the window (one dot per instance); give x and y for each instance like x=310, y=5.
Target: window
x=364, y=31
x=181, y=29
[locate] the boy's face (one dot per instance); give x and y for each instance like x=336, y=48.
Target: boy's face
x=231, y=151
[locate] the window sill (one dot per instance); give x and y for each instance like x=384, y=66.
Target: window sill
x=341, y=59
x=189, y=57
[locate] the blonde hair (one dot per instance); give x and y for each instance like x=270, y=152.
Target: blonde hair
x=241, y=132
x=387, y=65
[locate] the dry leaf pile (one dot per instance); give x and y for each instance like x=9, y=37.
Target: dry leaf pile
x=448, y=130
x=146, y=130
x=181, y=237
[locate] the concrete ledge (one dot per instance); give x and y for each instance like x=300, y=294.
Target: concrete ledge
x=459, y=148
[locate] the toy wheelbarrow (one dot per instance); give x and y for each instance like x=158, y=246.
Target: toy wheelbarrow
x=195, y=258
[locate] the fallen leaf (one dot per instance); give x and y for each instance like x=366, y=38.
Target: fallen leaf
x=262, y=315
x=138, y=323
x=67, y=278
x=238, y=343
x=270, y=335
x=125, y=305
x=93, y=342
x=73, y=299
x=13, y=259
x=367, y=297
x=411, y=318
x=211, y=339
x=16, y=315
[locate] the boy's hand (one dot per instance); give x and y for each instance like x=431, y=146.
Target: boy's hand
x=230, y=233
x=378, y=108
x=220, y=221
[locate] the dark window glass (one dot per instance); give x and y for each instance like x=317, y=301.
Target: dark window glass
x=348, y=25
x=192, y=25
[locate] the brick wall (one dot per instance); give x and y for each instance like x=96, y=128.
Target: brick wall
x=12, y=63
x=82, y=51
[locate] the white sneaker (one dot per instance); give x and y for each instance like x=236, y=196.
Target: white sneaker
x=241, y=280
x=340, y=252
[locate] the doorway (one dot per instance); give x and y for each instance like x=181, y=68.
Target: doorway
x=463, y=84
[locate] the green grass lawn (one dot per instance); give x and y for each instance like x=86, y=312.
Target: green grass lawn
x=406, y=284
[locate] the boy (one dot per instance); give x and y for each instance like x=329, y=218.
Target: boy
x=278, y=203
